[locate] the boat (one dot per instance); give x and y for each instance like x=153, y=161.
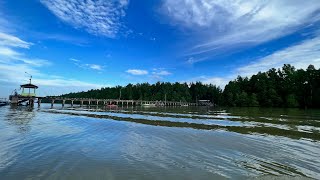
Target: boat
x=148, y=105
x=4, y=103
x=112, y=106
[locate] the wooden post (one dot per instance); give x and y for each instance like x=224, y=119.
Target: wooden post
x=52, y=102
x=31, y=102
x=39, y=102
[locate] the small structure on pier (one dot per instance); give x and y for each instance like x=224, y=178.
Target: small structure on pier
x=28, y=90
x=204, y=103
x=28, y=94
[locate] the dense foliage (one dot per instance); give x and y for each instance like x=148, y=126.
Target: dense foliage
x=171, y=91
x=286, y=87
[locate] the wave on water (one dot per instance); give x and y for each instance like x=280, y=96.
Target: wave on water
x=213, y=120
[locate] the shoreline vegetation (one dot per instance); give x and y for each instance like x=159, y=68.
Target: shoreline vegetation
x=285, y=87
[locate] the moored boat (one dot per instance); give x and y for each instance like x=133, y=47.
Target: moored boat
x=148, y=105
x=112, y=106
x=4, y=103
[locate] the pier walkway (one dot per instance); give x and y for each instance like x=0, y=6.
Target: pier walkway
x=104, y=102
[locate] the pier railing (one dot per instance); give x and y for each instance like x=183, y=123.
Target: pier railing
x=97, y=102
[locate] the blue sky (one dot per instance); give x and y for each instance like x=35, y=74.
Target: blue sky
x=74, y=45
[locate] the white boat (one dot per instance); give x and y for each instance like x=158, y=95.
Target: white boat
x=148, y=105
x=3, y=103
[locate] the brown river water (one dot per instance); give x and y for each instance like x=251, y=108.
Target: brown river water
x=159, y=143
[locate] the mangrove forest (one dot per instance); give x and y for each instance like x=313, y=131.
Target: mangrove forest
x=285, y=87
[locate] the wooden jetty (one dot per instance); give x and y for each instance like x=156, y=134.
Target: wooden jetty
x=104, y=102
x=29, y=97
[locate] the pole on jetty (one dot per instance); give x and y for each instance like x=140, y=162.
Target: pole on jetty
x=165, y=99
x=52, y=102
x=39, y=102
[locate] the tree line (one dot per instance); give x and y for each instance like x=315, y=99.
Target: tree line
x=285, y=87
x=159, y=91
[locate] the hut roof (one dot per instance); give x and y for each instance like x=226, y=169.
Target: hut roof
x=29, y=86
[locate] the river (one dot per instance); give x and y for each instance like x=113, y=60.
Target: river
x=158, y=143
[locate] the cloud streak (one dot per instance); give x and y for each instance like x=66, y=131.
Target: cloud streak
x=95, y=67
x=12, y=41
x=8, y=54
x=300, y=56
x=162, y=73
x=13, y=64
x=98, y=17
x=228, y=23
x=78, y=63
x=137, y=72
x=218, y=81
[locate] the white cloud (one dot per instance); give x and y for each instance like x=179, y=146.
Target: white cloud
x=98, y=17
x=218, y=81
x=74, y=60
x=95, y=67
x=227, y=23
x=300, y=56
x=78, y=63
x=5, y=51
x=137, y=72
x=161, y=73
x=59, y=82
x=192, y=60
x=9, y=55
x=9, y=40
x=34, y=61
x=73, y=39
x=13, y=65
x=12, y=75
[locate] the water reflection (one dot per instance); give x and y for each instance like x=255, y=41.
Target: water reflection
x=20, y=117
x=14, y=125
x=165, y=143
x=248, y=125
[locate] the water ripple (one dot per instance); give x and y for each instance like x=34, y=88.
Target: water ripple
x=86, y=143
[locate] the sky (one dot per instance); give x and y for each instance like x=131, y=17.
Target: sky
x=77, y=45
